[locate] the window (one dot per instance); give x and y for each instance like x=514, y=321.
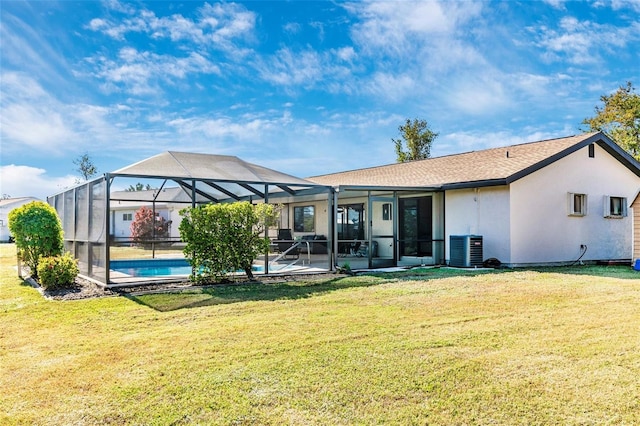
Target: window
x=592, y=151
x=615, y=207
x=304, y=219
x=127, y=217
x=577, y=204
x=1, y=223
x=386, y=211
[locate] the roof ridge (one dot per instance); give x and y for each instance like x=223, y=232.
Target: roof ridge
x=586, y=135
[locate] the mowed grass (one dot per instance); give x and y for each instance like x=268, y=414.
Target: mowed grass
x=557, y=346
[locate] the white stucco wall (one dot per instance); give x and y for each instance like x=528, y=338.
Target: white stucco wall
x=122, y=229
x=480, y=211
x=321, y=225
x=541, y=229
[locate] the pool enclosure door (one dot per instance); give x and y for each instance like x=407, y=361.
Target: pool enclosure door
x=382, y=229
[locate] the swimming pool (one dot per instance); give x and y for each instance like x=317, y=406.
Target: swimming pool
x=158, y=267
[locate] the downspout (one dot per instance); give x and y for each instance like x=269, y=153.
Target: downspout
x=444, y=227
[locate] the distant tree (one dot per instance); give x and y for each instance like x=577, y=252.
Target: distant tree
x=139, y=187
x=146, y=227
x=418, y=138
x=619, y=118
x=37, y=230
x=86, y=168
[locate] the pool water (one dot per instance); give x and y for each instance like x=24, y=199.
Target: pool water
x=158, y=267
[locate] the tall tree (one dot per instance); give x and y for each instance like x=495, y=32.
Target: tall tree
x=619, y=118
x=418, y=138
x=86, y=168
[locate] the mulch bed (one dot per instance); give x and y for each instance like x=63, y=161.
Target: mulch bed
x=86, y=289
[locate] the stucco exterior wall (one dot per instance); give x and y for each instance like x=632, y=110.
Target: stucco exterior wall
x=121, y=228
x=542, y=231
x=480, y=211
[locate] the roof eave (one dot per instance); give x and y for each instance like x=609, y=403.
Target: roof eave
x=341, y=188
x=600, y=138
x=475, y=184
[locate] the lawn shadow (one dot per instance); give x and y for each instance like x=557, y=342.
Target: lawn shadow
x=219, y=294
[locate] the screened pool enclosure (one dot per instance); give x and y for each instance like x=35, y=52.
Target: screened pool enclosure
x=94, y=214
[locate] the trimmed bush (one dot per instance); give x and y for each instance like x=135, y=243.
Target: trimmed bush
x=57, y=271
x=224, y=238
x=37, y=231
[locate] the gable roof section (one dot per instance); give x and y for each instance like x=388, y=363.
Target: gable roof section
x=8, y=202
x=209, y=177
x=219, y=168
x=489, y=167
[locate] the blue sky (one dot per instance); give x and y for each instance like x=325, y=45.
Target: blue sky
x=303, y=87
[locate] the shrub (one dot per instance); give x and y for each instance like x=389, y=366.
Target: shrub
x=37, y=231
x=224, y=238
x=145, y=227
x=57, y=271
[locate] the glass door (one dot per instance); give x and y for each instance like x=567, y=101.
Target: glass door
x=381, y=244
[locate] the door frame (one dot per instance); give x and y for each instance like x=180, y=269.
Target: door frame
x=393, y=200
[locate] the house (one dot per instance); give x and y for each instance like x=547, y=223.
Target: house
x=550, y=202
x=6, y=205
x=165, y=202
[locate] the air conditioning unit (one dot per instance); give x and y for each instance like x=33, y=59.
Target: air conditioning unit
x=465, y=251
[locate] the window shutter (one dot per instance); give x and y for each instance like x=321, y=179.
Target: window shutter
x=607, y=206
x=624, y=207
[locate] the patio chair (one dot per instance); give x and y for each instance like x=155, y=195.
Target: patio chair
x=286, y=245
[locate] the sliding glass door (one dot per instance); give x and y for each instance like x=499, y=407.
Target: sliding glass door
x=416, y=226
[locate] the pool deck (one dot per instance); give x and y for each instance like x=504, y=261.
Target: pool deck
x=305, y=264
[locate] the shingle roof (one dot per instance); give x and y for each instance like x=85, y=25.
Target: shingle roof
x=495, y=165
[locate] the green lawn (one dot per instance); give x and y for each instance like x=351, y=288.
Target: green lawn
x=555, y=346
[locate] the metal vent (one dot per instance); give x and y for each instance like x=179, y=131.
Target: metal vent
x=465, y=250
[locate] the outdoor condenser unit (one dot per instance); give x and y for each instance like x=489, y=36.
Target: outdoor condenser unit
x=465, y=251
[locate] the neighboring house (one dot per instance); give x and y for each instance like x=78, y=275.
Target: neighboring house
x=6, y=205
x=549, y=202
x=125, y=204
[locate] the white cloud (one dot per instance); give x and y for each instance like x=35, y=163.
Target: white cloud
x=217, y=26
x=620, y=4
x=398, y=27
x=583, y=42
x=292, y=27
x=558, y=4
x=477, y=96
x=30, y=117
x=465, y=141
x=26, y=181
x=288, y=68
x=142, y=72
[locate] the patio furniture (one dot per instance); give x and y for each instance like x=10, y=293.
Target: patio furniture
x=288, y=248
